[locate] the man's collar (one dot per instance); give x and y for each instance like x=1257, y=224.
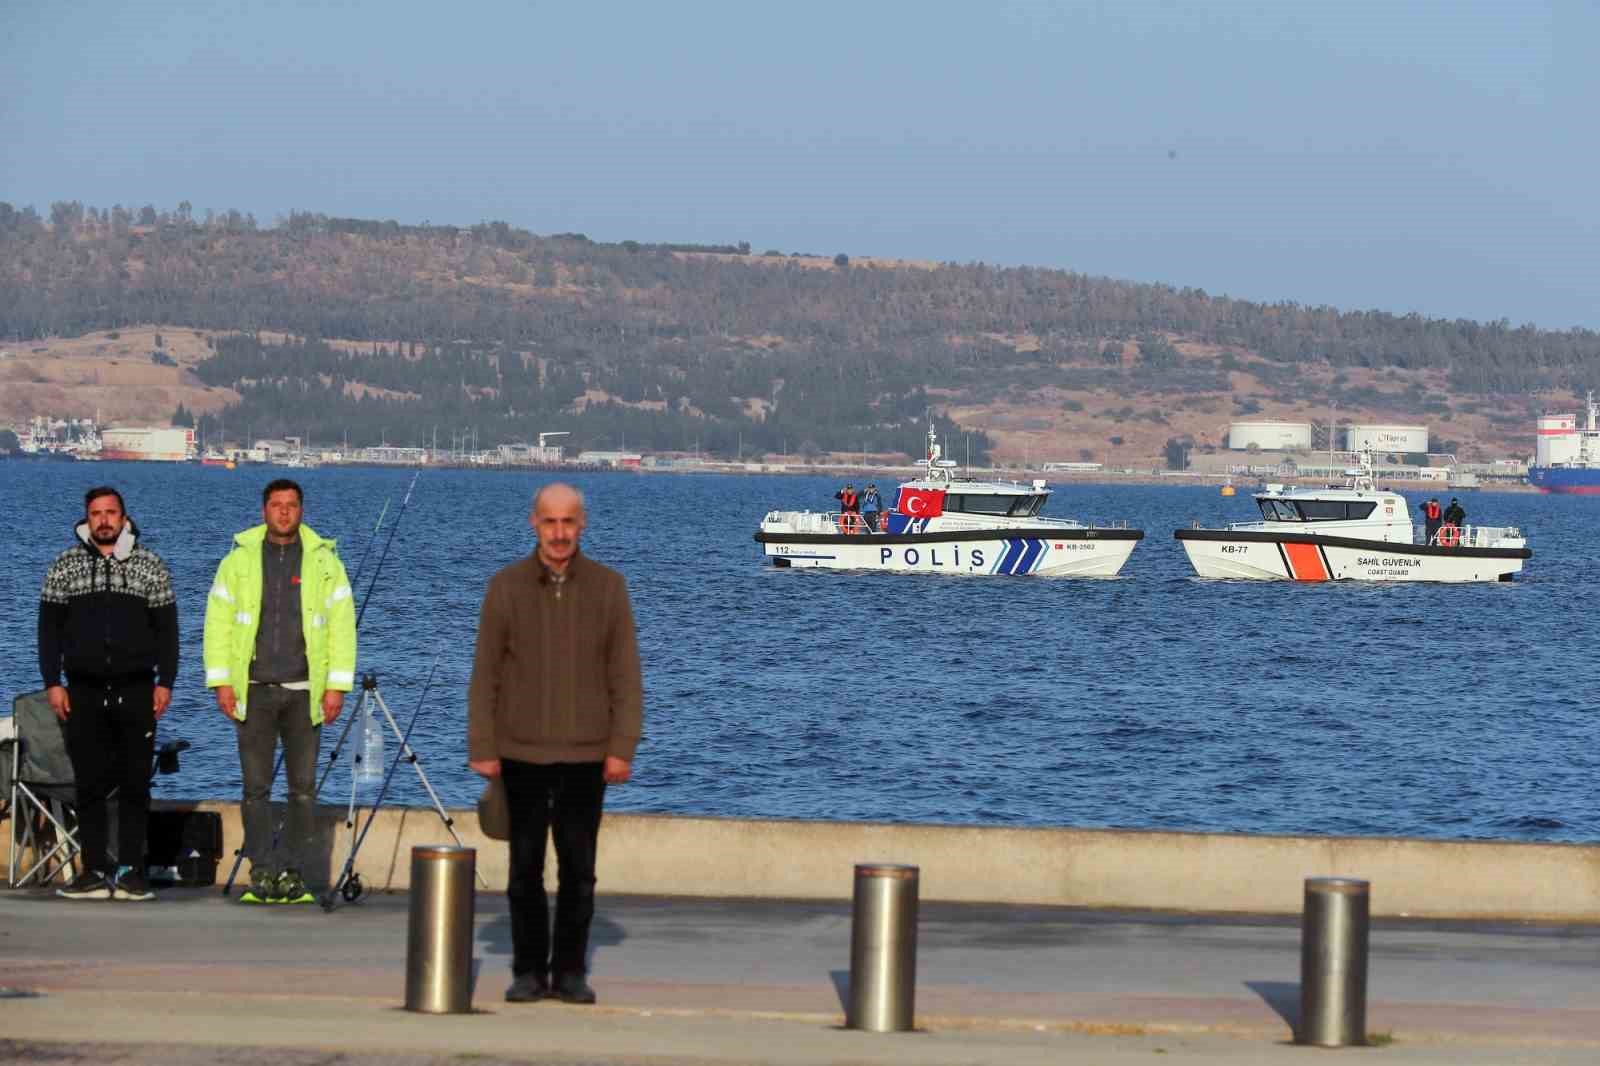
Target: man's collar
x=546, y=575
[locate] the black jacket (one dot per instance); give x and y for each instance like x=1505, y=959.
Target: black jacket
x=111, y=617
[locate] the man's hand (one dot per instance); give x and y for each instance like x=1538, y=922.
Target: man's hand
x=616, y=771
x=60, y=705
x=162, y=700
x=332, y=704
x=227, y=702
x=486, y=767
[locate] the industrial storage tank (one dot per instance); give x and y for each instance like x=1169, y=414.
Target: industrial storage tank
x=1404, y=439
x=1557, y=440
x=169, y=445
x=1270, y=436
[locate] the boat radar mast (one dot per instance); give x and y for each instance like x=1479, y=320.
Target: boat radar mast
x=939, y=468
x=1360, y=476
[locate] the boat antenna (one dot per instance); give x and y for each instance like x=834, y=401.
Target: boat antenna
x=377, y=571
x=1331, y=431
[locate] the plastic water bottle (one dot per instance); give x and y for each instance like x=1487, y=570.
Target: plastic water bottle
x=369, y=768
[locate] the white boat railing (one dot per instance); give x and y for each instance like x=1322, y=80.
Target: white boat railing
x=827, y=521
x=841, y=522
x=1475, y=536
x=1464, y=537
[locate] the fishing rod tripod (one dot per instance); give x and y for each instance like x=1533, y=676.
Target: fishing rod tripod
x=347, y=887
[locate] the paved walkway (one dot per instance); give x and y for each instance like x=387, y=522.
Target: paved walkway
x=193, y=977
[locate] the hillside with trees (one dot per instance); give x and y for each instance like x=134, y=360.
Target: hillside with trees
x=372, y=330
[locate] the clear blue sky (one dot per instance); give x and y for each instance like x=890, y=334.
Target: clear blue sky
x=1431, y=157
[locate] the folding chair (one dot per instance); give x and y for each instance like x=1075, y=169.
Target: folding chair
x=44, y=823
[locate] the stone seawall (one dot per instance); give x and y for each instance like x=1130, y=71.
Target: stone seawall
x=1205, y=872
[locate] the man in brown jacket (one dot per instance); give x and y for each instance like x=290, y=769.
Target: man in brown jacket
x=555, y=708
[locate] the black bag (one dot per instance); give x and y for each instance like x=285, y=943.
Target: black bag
x=184, y=847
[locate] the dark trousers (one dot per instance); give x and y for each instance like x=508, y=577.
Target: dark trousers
x=871, y=519
x=111, y=737
x=562, y=800
x=273, y=714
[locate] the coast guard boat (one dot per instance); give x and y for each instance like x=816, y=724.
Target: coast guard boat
x=1354, y=533
x=944, y=524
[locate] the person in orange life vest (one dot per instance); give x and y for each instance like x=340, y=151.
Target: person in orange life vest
x=1431, y=516
x=849, y=508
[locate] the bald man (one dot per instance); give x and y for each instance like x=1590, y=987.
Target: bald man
x=554, y=709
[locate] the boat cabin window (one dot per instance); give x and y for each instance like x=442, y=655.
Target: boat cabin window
x=1321, y=510
x=1026, y=506
x=1316, y=510
x=994, y=504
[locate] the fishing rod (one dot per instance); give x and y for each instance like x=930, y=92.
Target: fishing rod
x=378, y=570
x=367, y=552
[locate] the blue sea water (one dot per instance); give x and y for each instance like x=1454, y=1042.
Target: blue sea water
x=1153, y=700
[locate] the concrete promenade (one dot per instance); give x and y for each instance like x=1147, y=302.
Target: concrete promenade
x=195, y=978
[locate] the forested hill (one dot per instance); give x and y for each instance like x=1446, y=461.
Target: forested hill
x=363, y=328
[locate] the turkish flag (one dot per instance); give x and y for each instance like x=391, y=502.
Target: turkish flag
x=921, y=503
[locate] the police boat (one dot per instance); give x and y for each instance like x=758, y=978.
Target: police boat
x=944, y=524
x=1350, y=533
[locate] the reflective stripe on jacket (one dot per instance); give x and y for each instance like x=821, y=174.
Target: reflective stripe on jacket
x=327, y=617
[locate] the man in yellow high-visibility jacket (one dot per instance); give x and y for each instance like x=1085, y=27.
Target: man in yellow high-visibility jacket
x=280, y=652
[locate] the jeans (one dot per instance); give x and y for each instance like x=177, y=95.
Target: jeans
x=563, y=800
x=271, y=714
x=111, y=739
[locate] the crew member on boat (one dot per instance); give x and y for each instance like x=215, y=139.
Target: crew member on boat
x=849, y=508
x=1430, y=518
x=871, y=507
x=1455, y=514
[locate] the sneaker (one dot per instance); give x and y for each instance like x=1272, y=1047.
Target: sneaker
x=263, y=887
x=291, y=888
x=91, y=884
x=130, y=884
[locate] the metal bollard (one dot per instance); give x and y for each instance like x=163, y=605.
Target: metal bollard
x=1333, y=962
x=883, y=949
x=439, y=933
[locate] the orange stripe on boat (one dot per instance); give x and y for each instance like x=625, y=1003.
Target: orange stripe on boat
x=1305, y=562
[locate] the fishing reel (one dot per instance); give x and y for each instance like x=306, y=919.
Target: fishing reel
x=347, y=891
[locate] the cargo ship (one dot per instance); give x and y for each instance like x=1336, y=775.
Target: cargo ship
x=165, y=445
x=1566, y=458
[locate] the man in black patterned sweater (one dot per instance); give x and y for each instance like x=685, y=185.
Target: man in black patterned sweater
x=108, y=617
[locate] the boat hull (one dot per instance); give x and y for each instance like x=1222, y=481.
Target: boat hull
x=1566, y=480
x=1221, y=553
x=1065, y=553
